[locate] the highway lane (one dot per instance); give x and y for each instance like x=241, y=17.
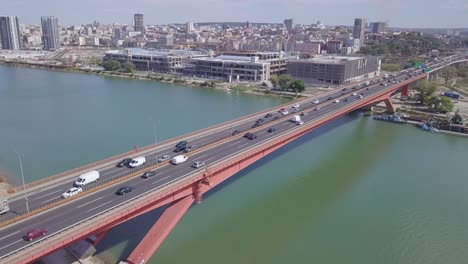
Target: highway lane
x=76, y=210
x=43, y=197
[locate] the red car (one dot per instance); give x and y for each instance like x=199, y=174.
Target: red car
x=34, y=233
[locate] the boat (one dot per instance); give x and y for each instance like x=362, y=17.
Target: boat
x=425, y=127
x=390, y=118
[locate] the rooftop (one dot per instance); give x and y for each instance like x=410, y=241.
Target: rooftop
x=159, y=52
x=231, y=58
x=331, y=59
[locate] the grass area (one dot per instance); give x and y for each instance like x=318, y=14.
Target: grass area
x=242, y=88
x=463, y=82
x=391, y=67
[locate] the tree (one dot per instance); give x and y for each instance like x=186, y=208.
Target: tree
x=463, y=71
x=448, y=73
x=297, y=86
x=128, y=67
x=274, y=80
x=425, y=91
x=284, y=80
x=111, y=65
x=441, y=104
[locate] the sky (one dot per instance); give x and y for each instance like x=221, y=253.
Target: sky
x=398, y=13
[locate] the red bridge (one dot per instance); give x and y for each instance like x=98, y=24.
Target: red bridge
x=223, y=151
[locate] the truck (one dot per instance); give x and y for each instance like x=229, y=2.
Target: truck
x=385, y=76
x=296, y=119
x=136, y=162
x=451, y=95
x=4, y=206
x=87, y=178
x=179, y=159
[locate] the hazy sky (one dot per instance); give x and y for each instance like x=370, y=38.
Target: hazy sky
x=402, y=13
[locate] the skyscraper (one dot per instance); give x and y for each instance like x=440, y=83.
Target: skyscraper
x=139, y=24
x=50, y=33
x=378, y=27
x=9, y=33
x=359, y=28
x=289, y=23
x=188, y=27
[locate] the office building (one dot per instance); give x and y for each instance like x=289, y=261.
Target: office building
x=334, y=69
x=289, y=23
x=50, y=33
x=166, y=61
x=189, y=27
x=276, y=60
x=139, y=23
x=334, y=46
x=378, y=27
x=9, y=33
x=359, y=29
x=230, y=68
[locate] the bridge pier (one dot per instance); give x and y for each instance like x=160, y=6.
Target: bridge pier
x=389, y=105
x=405, y=90
x=160, y=230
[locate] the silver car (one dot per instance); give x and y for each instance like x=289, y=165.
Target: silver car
x=198, y=164
x=164, y=158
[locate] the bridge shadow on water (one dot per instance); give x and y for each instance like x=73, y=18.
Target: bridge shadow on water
x=125, y=238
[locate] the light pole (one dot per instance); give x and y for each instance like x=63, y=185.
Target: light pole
x=22, y=177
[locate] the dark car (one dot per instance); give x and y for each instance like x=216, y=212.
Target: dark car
x=124, y=162
x=190, y=148
x=179, y=149
x=182, y=143
x=329, y=98
x=268, y=115
x=259, y=121
x=346, y=99
x=367, y=89
x=250, y=136
x=303, y=113
x=344, y=89
x=271, y=130
x=255, y=125
x=124, y=190
x=34, y=233
x=235, y=132
x=148, y=174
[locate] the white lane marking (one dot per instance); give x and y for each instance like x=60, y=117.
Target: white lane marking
x=45, y=195
x=99, y=206
x=10, y=235
x=11, y=244
x=202, y=156
x=49, y=200
x=90, y=202
x=243, y=145
x=162, y=179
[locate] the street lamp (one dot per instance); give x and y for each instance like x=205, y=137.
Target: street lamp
x=22, y=177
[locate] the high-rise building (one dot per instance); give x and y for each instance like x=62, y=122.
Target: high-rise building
x=50, y=33
x=138, y=23
x=189, y=27
x=378, y=27
x=289, y=23
x=9, y=33
x=359, y=29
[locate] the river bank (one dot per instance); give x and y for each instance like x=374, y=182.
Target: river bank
x=248, y=88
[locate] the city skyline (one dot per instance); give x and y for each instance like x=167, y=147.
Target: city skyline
x=449, y=14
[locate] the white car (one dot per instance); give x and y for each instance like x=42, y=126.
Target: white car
x=284, y=111
x=360, y=96
x=316, y=101
x=300, y=123
x=336, y=101
x=354, y=94
x=71, y=192
x=198, y=164
x=296, y=106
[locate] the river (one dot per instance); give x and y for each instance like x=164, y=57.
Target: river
x=354, y=191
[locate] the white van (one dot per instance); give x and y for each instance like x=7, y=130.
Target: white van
x=136, y=162
x=87, y=178
x=179, y=159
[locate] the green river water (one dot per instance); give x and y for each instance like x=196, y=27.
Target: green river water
x=354, y=191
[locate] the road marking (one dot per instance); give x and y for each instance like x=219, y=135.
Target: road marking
x=49, y=200
x=11, y=244
x=10, y=235
x=46, y=195
x=243, y=145
x=90, y=202
x=202, y=156
x=160, y=179
x=99, y=206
